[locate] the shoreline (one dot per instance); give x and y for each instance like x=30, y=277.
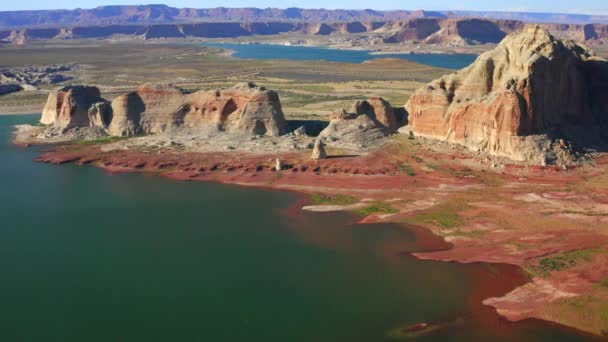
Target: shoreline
x=372, y=183
x=20, y=110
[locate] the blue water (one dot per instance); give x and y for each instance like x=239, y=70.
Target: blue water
x=270, y=51
x=87, y=256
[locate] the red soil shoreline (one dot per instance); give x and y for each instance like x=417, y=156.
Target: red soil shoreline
x=377, y=177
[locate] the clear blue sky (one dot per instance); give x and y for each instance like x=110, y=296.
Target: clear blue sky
x=565, y=6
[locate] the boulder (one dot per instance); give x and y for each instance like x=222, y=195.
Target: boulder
x=368, y=121
x=353, y=132
x=378, y=109
x=532, y=86
x=68, y=107
x=100, y=114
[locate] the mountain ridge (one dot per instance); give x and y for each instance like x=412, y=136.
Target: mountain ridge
x=163, y=14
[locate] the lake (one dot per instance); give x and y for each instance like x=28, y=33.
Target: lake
x=88, y=256
x=272, y=51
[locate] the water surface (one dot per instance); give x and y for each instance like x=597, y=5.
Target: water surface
x=272, y=51
x=87, y=256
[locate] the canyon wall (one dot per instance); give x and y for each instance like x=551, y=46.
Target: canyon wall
x=421, y=30
x=474, y=31
x=162, y=14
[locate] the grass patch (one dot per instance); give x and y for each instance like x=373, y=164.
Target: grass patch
x=104, y=140
x=471, y=234
x=445, y=220
x=564, y=261
x=377, y=208
x=333, y=199
x=313, y=88
x=407, y=168
x=444, y=216
x=418, y=159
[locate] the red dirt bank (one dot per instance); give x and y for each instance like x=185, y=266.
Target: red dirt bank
x=533, y=218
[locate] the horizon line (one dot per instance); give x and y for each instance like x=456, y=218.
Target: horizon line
x=590, y=14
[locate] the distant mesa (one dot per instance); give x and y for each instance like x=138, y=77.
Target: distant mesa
x=162, y=14
x=525, y=100
x=155, y=108
x=160, y=21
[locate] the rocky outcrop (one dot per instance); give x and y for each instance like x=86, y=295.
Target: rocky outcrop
x=100, y=114
x=155, y=108
x=412, y=30
x=68, y=107
x=472, y=31
x=152, y=108
x=452, y=31
x=318, y=151
x=368, y=121
x=378, y=109
x=163, y=31
x=37, y=74
x=513, y=99
x=10, y=88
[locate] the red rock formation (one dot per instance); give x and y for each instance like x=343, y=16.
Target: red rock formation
x=531, y=84
x=378, y=109
x=244, y=107
x=155, y=108
x=68, y=107
x=412, y=30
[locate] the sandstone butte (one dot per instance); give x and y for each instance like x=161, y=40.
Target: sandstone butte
x=155, y=108
x=515, y=100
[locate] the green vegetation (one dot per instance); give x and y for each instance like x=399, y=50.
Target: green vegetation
x=563, y=261
x=443, y=220
x=333, y=199
x=472, y=233
x=445, y=216
x=313, y=88
x=407, y=168
x=377, y=208
x=292, y=99
x=104, y=140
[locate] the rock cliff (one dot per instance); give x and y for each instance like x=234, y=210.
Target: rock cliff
x=515, y=98
x=425, y=29
x=155, y=108
x=68, y=107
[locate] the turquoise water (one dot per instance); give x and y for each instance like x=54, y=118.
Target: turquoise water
x=270, y=51
x=87, y=256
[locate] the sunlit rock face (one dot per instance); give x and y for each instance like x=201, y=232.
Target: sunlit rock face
x=531, y=84
x=156, y=108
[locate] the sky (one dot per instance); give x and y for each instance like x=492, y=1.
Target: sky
x=553, y=6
